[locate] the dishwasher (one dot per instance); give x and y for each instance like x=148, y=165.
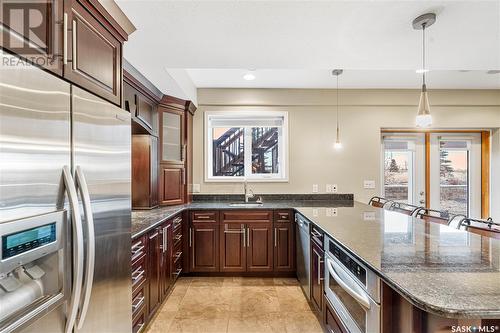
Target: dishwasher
x=303, y=253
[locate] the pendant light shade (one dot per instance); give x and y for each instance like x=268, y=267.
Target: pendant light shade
x=338, y=143
x=424, y=118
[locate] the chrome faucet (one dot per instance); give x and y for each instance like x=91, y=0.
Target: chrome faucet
x=248, y=192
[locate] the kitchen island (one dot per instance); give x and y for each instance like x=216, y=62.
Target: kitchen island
x=430, y=274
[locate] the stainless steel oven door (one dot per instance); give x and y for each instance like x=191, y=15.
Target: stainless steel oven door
x=358, y=311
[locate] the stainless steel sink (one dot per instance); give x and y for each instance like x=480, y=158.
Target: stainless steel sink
x=245, y=204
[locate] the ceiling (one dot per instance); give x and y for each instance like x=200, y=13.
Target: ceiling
x=296, y=43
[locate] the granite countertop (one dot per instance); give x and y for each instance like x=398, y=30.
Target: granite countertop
x=439, y=269
x=145, y=220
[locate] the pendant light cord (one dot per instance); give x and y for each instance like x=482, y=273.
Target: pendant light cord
x=337, y=106
x=423, y=54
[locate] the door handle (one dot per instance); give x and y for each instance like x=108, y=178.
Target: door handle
x=73, y=61
x=70, y=189
x=359, y=295
x=82, y=186
x=65, y=39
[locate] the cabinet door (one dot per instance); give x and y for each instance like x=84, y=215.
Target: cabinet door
x=284, y=247
x=94, y=54
x=34, y=30
x=166, y=258
x=154, y=263
x=204, y=247
x=172, y=136
x=172, y=184
x=317, y=274
x=259, y=247
x=232, y=247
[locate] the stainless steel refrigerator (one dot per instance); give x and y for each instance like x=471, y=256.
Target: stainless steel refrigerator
x=65, y=206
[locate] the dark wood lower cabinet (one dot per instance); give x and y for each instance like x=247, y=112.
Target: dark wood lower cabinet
x=172, y=181
x=259, y=247
x=317, y=276
x=284, y=247
x=166, y=258
x=233, y=256
x=154, y=269
x=204, y=247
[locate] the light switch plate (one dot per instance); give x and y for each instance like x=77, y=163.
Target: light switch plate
x=331, y=212
x=369, y=184
x=328, y=188
x=196, y=188
x=315, y=188
x=315, y=212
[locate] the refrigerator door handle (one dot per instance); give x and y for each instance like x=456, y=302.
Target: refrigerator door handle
x=77, y=249
x=82, y=186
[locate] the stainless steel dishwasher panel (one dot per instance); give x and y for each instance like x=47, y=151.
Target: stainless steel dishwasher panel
x=303, y=254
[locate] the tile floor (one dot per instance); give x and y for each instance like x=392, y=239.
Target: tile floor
x=234, y=305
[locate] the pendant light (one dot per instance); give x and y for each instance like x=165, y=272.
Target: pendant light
x=424, y=118
x=338, y=143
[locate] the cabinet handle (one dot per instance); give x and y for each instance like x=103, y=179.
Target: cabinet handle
x=65, y=39
x=138, y=304
x=190, y=237
x=153, y=236
x=165, y=238
x=320, y=262
x=73, y=62
x=248, y=237
x=137, y=274
x=275, y=237
x=202, y=217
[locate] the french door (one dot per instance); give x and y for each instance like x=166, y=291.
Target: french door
x=452, y=177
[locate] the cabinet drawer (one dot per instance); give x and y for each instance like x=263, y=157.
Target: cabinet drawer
x=317, y=236
x=138, y=301
x=138, y=248
x=283, y=215
x=139, y=321
x=204, y=216
x=138, y=273
x=247, y=216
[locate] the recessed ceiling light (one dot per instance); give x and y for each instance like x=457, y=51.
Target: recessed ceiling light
x=421, y=71
x=249, y=76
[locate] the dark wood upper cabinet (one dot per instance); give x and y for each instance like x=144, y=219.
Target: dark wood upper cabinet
x=172, y=180
x=232, y=247
x=94, y=55
x=204, y=247
x=317, y=276
x=172, y=135
x=259, y=247
x=144, y=171
x=284, y=247
x=37, y=41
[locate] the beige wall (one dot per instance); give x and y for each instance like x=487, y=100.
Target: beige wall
x=311, y=116
x=495, y=176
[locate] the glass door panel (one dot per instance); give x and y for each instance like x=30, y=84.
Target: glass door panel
x=171, y=136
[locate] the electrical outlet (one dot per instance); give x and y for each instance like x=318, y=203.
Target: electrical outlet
x=369, y=184
x=328, y=188
x=315, y=188
x=369, y=216
x=334, y=188
x=196, y=188
x=331, y=212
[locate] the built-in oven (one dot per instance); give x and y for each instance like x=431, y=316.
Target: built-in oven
x=352, y=289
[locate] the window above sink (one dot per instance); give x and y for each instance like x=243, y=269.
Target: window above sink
x=249, y=146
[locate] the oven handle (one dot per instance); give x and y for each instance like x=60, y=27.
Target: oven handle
x=355, y=291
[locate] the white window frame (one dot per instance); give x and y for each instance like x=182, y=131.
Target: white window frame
x=283, y=149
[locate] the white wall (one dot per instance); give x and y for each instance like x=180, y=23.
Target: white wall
x=363, y=113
